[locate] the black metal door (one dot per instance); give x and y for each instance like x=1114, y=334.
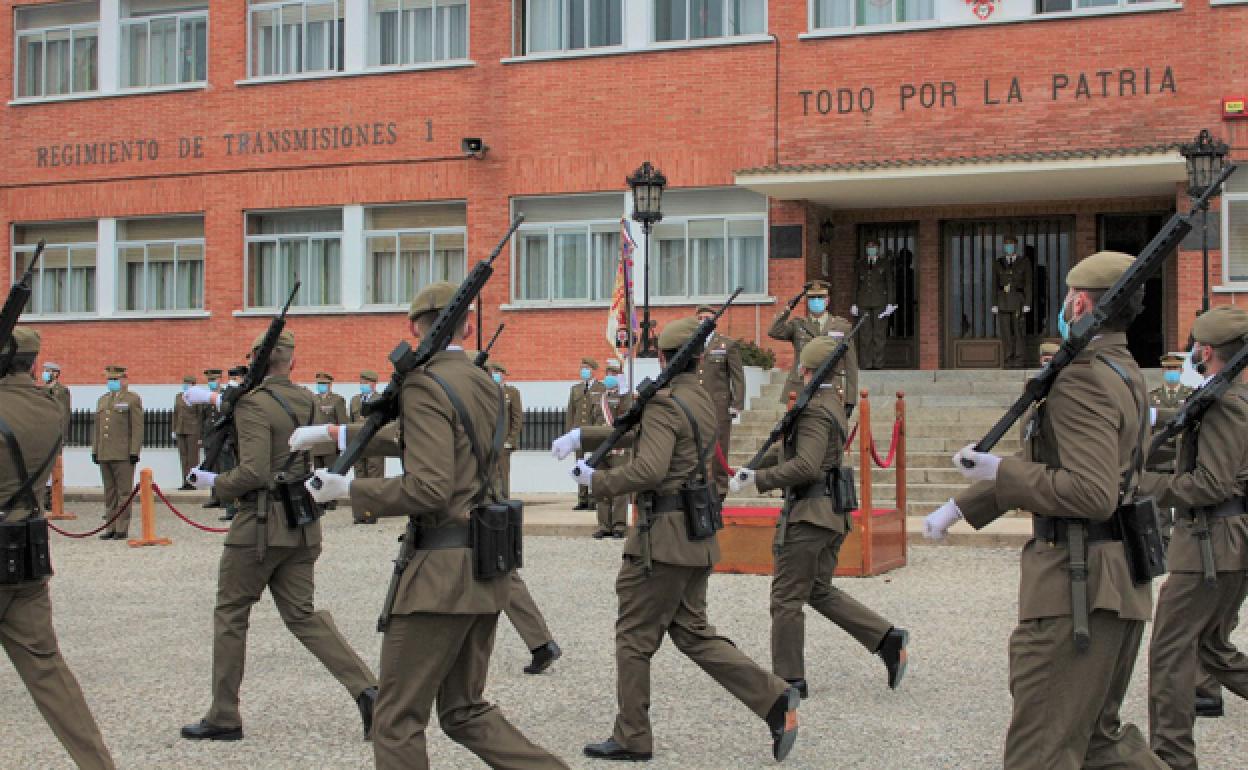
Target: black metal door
x=900, y=241
x=1146, y=339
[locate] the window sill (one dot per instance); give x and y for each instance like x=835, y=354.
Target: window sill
x=1228, y=2
x=708, y=42
x=25, y=100
x=744, y=299
x=1230, y=288
x=441, y=65
x=579, y=53
x=269, y=312
x=115, y=316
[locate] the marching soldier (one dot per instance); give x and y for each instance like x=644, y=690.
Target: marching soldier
x=52, y=381
x=440, y=628
x=333, y=411
x=816, y=519
x=30, y=420
x=365, y=467
x=262, y=551
x=875, y=297
x=612, y=511
x=817, y=323
x=666, y=594
x=581, y=400
x=1011, y=300
x=722, y=375
x=1207, y=488
x=117, y=443
x=1084, y=439
x=210, y=413
x=186, y=427
x=515, y=425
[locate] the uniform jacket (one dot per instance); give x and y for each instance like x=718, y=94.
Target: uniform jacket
x=721, y=373
x=664, y=456
x=33, y=414
x=356, y=401
x=186, y=419
x=333, y=408
x=876, y=284
x=803, y=329
x=1167, y=404
x=1073, y=467
x=581, y=404
x=515, y=416
x=439, y=482
x=63, y=397
x=1220, y=473
x=813, y=448
x=118, y=427
x=1011, y=284
x=263, y=429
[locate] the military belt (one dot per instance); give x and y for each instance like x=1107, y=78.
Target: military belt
x=813, y=491
x=668, y=504
x=1236, y=506
x=444, y=537
x=1054, y=530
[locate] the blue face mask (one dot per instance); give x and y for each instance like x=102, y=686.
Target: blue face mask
x=817, y=305
x=498, y=377
x=213, y=384
x=47, y=376
x=586, y=373
x=185, y=387
x=1063, y=326
x=114, y=386
x=611, y=381
x=1008, y=249
x=322, y=387
x=365, y=388
x=872, y=251
x=1172, y=378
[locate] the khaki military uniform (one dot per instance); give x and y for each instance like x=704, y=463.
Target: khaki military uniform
x=365, y=467
x=581, y=400
x=511, y=440
x=1011, y=281
x=118, y=437
x=803, y=329
x=1066, y=703
x=1167, y=402
x=720, y=372
x=672, y=598
x=1194, y=619
x=261, y=552
x=333, y=411
x=63, y=397
x=228, y=459
x=186, y=427
x=612, y=511
x=26, y=632
x=805, y=559
x=441, y=629
x=876, y=289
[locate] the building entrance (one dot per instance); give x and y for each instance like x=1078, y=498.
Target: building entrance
x=1130, y=233
x=898, y=240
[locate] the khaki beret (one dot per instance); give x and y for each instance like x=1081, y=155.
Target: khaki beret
x=614, y=365
x=25, y=340
x=1049, y=348
x=324, y=377
x=113, y=370
x=1172, y=360
x=284, y=340
x=238, y=371
x=677, y=333
x=817, y=289
x=704, y=309
x=51, y=367
x=213, y=374
x=1220, y=325
x=591, y=363
x=432, y=298
x=1099, y=271
x=189, y=379
x=817, y=351
x=494, y=366
x=368, y=375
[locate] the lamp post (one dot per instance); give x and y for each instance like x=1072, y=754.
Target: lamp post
x=1205, y=158
x=647, y=184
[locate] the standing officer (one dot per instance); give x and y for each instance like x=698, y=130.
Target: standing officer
x=581, y=400
x=1083, y=439
x=515, y=425
x=30, y=419
x=817, y=323
x=208, y=415
x=186, y=427
x=816, y=519
x=1011, y=300
x=1207, y=488
x=1165, y=403
x=117, y=442
x=440, y=627
x=261, y=551
x=876, y=296
x=333, y=411
x=612, y=511
x=668, y=596
x=366, y=467
x=722, y=375
x=52, y=381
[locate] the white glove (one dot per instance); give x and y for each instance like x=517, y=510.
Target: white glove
x=742, y=479
x=853, y=310
x=566, y=444
x=983, y=465
x=1026, y=308
x=174, y=435
x=199, y=394
x=994, y=309
x=201, y=479
x=733, y=412
x=889, y=309
x=937, y=523
x=582, y=474
x=332, y=486
x=308, y=436
x=1152, y=415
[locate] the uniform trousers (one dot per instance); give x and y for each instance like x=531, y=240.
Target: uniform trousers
x=583, y=498
x=118, y=484
x=427, y=657
x=504, y=473
x=1010, y=327
x=803, y=574
x=1225, y=652
x=524, y=615
x=289, y=574
x=1190, y=631
x=725, y=443
x=188, y=453
x=27, y=635
x=1066, y=703
x=871, y=338
x=672, y=601
x=367, y=468
x=613, y=511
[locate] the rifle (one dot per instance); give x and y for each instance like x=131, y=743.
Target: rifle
x=19, y=295
x=793, y=302
x=483, y=355
x=407, y=551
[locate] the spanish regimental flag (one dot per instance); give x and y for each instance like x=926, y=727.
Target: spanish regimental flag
x=622, y=322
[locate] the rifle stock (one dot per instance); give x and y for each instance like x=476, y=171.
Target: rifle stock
x=19, y=295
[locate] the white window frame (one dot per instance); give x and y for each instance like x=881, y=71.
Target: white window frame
x=178, y=18
x=282, y=289
x=437, y=34
x=1122, y=7
x=550, y=229
x=1078, y=7
x=731, y=279
x=563, y=30
x=336, y=66
x=42, y=33
x=146, y=245
x=1227, y=199
x=396, y=233
x=688, y=39
x=855, y=26
x=38, y=280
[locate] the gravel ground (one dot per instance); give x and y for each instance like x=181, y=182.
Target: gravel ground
x=135, y=626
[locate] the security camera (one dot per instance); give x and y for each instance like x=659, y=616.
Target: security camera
x=472, y=145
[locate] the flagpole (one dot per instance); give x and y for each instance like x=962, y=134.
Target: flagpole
x=628, y=307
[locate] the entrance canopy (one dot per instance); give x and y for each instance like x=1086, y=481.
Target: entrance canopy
x=1037, y=176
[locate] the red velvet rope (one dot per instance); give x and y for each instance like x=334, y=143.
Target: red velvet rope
x=176, y=512
x=892, y=450
x=723, y=461
x=103, y=526
x=852, y=433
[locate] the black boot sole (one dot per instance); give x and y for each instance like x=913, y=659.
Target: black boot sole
x=781, y=746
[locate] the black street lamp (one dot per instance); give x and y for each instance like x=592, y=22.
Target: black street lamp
x=647, y=183
x=1205, y=158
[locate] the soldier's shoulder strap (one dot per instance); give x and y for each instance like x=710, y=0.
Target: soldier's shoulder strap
x=1137, y=460
x=485, y=464
x=26, y=481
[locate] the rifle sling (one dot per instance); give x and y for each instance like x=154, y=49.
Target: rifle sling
x=27, y=481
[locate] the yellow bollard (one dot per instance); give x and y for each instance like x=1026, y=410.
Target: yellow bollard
x=147, y=516
x=58, y=493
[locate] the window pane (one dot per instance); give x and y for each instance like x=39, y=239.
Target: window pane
x=160, y=282
x=875, y=12
x=833, y=13
x=606, y=22
x=384, y=32
x=415, y=264
x=54, y=284
x=189, y=292
x=924, y=10
x=382, y=262
x=193, y=50
x=606, y=257
x=706, y=18
x=321, y=285
x=82, y=279
x=133, y=288
x=30, y=65
x=745, y=245
x=576, y=24
x=669, y=19
x=571, y=264
x=58, y=68
x=415, y=215
x=418, y=31
x=164, y=36
x=134, y=54
x=264, y=43
x=262, y=274
x=545, y=25
x=448, y=257
x=309, y=221
x=671, y=265
x=452, y=31
x=1237, y=242
x=86, y=45
x=533, y=277
x=706, y=240
x=321, y=36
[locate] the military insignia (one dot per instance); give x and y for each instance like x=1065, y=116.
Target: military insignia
x=123, y=407
x=982, y=8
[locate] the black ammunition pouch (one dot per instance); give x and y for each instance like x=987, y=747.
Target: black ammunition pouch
x=1227, y=508
x=1142, y=539
x=844, y=489
x=297, y=504
x=703, y=513
x=24, y=553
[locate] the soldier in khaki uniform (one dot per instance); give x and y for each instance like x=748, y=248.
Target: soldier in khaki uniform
x=52, y=381
x=1165, y=403
x=818, y=323
x=581, y=399
x=1084, y=439
x=333, y=411
x=612, y=511
x=669, y=596
x=261, y=551
x=208, y=415
x=1011, y=300
x=721, y=373
x=366, y=467
x=875, y=297
x=808, y=542
x=116, y=446
x=440, y=629
x=1193, y=617
x=186, y=427
x=34, y=417
x=515, y=425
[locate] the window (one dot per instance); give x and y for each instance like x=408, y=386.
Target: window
x=57, y=49
x=569, y=25
x=411, y=246
x=289, y=246
x=164, y=42
x=288, y=38
x=709, y=243
x=1235, y=212
x=64, y=278
x=416, y=31
x=1066, y=6
x=831, y=14
x=700, y=19
x=160, y=264
x=568, y=249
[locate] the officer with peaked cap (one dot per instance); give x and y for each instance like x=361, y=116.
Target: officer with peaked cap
x=1011, y=300
x=116, y=445
x=581, y=399
x=333, y=409
x=365, y=467
x=818, y=322
x=52, y=381
x=1165, y=402
x=875, y=299
x=720, y=372
x=186, y=427
x=612, y=511
x=514, y=407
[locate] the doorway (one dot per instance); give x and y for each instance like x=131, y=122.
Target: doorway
x=898, y=240
x=1130, y=233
